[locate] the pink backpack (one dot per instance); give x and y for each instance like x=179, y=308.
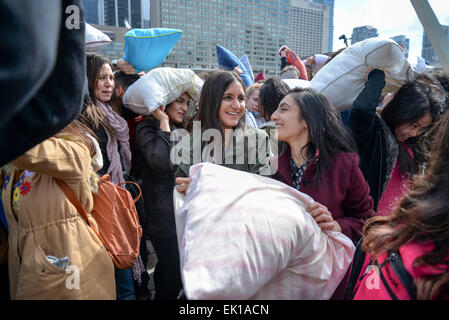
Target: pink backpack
x=387, y=279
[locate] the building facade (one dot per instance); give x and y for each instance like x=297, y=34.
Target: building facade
x=428, y=53
x=92, y=11
x=257, y=28
x=109, y=16
x=115, y=49
x=330, y=3
x=309, y=27
x=253, y=27
x=363, y=33
x=115, y=12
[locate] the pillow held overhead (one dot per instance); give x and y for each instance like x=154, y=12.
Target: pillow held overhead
x=161, y=86
x=146, y=49
x=343, y=78
x=95, y=38
x=228, y=61
x=293, y=59
x=297, y=83
x=244, y=59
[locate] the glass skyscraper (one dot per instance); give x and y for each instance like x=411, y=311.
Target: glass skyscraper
x=91, y=11
x=362, y=33
x=330, y=3
x=428, y=53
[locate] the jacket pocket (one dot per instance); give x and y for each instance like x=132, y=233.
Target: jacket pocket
x=39, y=279
x=41, y=263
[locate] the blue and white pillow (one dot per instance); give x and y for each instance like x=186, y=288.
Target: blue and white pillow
x=147, y=49
x=228, y=61
x=244, y=59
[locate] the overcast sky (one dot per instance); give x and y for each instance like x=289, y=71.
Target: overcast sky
x=389, y=17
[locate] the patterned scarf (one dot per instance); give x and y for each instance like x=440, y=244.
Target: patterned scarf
x=120, y=127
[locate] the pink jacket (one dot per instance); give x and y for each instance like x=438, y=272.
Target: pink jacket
x=370, y=286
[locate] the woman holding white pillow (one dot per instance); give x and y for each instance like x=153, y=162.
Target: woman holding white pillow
x=158, y=173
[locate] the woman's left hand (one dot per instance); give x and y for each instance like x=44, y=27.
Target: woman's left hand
x=323, y=217
x=182, y=184
x=238, y=70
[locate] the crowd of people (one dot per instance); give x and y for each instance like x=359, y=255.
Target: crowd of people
x=377, y=173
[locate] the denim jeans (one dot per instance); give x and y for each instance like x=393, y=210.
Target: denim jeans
x=124, y=284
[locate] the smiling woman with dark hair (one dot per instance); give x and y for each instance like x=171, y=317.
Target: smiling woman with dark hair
x=321, y=160
x=221, y=114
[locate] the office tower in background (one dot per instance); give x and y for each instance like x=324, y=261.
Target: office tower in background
x=428, y=53
x=115, y=12
x=363, y=33
x=309, y=27
x=256, y=28
x=330, y=3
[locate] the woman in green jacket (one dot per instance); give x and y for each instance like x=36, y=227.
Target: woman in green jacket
x=219, y=134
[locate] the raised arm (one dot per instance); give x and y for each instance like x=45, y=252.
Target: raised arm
x=363, y=112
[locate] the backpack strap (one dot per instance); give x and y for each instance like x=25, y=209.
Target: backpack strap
x=390, y=292
x=138, y=187
x=399, y=269
x=106, y=177
x=357, y=264
x=395, y=260
x=77, y=204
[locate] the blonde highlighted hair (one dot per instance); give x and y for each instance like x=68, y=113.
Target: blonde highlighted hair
x=76, y=131
x=252, y=88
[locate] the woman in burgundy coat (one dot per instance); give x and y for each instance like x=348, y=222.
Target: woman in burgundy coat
x=322, y=161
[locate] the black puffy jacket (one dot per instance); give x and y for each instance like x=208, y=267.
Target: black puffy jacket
x=158, y=175
x=376, y=144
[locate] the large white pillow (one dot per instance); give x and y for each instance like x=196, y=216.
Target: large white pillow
x=244, y=236
x=95, y=38
x=297, y=83
x=343, y=78
x=161, y=86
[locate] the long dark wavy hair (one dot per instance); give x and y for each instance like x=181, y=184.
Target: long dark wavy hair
x=412, y=102
x=422, y=215
x=326, y=130
x=271, y=94
x=211, y=97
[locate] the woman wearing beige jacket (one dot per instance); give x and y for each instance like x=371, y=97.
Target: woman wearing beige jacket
x=53, y=253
